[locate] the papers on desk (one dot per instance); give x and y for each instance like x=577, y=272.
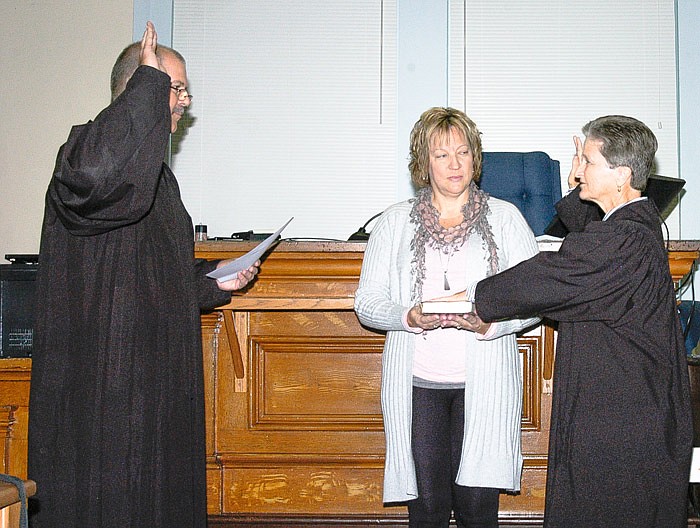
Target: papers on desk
x=230, y=270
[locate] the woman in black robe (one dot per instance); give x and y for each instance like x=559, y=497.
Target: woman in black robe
x=621, y=435
x=116, y=423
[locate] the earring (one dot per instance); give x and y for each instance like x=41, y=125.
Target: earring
x=619, y=188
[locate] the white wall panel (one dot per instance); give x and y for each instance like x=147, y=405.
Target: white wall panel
x=532, y=73
x=295, y=114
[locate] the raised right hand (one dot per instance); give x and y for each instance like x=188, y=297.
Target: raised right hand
x=576, y=162
x=149, y=44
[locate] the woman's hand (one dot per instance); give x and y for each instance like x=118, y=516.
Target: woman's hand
x=576, y=162
x=469, y=321
x=447, y=320
x=473, y=322
x=417, y=319
x=241, y=280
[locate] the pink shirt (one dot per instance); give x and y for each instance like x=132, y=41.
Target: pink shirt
x=441, y=354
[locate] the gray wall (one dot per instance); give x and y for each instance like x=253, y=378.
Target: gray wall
x=55, y=58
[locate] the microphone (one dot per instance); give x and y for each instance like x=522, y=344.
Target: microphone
x=361, y=234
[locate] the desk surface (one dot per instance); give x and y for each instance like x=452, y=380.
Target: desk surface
x=359, y=246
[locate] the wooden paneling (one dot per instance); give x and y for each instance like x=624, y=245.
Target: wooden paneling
x=7, y=421
x=308, y=384
x=681, y=262
x=14, y=415
x=300, y=433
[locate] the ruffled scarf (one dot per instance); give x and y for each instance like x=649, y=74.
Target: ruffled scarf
x=429, y=232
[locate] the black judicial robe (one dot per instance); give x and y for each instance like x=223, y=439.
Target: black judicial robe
x=621, y=435
x=116, y=424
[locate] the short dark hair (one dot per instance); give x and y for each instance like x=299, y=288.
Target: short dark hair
x=625, y=142
x=437, y=122
x=128, y=61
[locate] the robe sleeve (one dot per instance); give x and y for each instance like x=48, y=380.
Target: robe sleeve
x=108, y=170
x=209, y=296
x=575, y=213
x=591, y=278
x=518, y=244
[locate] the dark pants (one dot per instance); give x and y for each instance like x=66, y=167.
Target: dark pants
x=436, y=437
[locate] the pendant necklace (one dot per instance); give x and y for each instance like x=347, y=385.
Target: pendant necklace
x=445, y=267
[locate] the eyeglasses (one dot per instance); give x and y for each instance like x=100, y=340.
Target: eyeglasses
x=182, y=93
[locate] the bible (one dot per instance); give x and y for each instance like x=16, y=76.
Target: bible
x=452, y=307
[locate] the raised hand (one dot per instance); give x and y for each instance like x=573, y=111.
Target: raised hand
x=576, y=162
x=149, y=44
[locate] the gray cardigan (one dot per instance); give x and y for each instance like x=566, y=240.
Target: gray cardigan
x=491, y=455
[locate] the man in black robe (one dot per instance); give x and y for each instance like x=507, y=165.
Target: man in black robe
x=116, y=424
x=621, y=435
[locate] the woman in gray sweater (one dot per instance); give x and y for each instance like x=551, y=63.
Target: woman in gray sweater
x=451, y=395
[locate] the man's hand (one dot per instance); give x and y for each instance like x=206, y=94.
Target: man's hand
x=242, y=278
x=149, y=44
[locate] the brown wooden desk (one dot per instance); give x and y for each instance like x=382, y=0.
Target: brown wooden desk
x=294, y=426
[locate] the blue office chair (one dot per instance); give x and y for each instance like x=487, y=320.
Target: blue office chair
x=529, y=180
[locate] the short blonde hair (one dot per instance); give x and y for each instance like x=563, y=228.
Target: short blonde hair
x=436, y=123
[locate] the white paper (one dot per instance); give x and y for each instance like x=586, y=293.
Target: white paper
x=548, y=243
x=230, y=270
x=446, y=307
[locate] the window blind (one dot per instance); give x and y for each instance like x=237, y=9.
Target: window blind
x=294, y=107
x=531, y=74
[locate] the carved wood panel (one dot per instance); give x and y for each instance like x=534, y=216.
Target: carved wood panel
x=315, y=383
x=15, y=375
x=7, y=421
x=306, y=438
